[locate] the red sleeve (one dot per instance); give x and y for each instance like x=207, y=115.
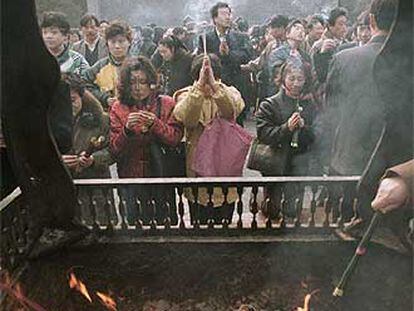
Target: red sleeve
x=167, y=128
x=119, y=139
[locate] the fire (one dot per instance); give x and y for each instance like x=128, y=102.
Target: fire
x=15, y=292
x=79, y=286
x=306, y=303
x=107, y=301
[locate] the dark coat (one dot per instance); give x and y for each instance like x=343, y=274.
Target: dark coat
x=91, y=122
x=80, y=47
x=177, y=72
x=272, y=128
x=240, y=53
x=355, y=111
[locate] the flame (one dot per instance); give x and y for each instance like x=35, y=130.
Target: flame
x=79, y=286
x=306, y=302
x=15, y=292
x=107, y=301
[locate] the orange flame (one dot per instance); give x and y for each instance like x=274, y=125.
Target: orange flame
x=307, y=301
x=15, y=292
x=107, y=301
x=79, y=286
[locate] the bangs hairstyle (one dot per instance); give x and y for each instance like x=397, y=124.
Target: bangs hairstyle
x=214, y=10
x=293, y=23
x=88, y=18
x=118, y=27
x=75, y=82
x=56, y=19
x=290, y=64
x=133, y=64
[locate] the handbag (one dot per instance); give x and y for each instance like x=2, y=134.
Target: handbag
x=266, y=159
x=166, y=161
x=221, y=149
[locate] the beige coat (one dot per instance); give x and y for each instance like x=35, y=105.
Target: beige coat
x=195, y=111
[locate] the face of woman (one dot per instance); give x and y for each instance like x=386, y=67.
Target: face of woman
x=118, y=46
x=140, y=88
x=165, y=52
x=294, y=81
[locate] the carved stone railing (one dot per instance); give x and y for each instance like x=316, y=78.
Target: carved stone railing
x=107, y=213
x=302, y=211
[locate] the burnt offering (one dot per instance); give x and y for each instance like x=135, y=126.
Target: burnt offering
x=288, y=275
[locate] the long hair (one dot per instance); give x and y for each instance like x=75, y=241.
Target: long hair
x=133, y=64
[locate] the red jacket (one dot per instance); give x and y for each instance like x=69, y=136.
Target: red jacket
x=130, y=150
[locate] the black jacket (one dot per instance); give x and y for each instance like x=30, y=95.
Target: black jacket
x=272, y=128
x=177, y=72
x=240, y=53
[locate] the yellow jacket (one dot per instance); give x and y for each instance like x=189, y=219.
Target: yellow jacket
x=194, y=110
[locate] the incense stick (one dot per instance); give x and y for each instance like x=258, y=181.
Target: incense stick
x=204, y=42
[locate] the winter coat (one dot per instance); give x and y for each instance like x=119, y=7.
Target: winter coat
x=92, y=122
x=272, y=129
x=177, y=72
x=354, y=116
x=195, y=111
x=241, y=52
x=130, y=147
x=102, y=79
x=72, y=62
x=81, y=48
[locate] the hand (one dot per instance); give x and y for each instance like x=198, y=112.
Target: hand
x=111, y=100
x=224, y=48
x=146, y=118
x=71, y=160
x=84, y=161
x=392, y=194
x=245, y=68
x=211, y=81
x=294, y=121
x=133, y=119
x=202, y=78
x=301, y=122
x=327, y=45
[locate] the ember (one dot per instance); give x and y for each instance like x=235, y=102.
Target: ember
x=107, y=301
x=16, y=294
x=79, y=286
x=104, y=299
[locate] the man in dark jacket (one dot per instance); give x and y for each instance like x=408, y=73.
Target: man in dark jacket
x=92, y=46
x=233, y=48
x=354, y=117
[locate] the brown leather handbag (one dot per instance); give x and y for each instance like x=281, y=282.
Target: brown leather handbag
x=268, y=160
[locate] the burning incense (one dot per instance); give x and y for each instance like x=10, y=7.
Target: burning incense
x=204, y=42
x=359, y=252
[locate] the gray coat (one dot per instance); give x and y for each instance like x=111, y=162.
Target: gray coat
x=355, y=112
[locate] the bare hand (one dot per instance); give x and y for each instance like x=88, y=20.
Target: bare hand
x=327, y=45
x=294, y=121
x=71, y=160
x=392, y=194
x=224, y=48
x=133, y=119
x=203, y=76
x=146, y=118
x=84, y=161
x=111, y=100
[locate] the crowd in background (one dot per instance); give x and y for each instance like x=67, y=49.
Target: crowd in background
x=303, y=79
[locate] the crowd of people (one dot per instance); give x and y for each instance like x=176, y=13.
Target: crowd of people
x=307, y=81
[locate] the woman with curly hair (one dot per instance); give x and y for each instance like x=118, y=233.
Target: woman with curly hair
x=140, y=118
